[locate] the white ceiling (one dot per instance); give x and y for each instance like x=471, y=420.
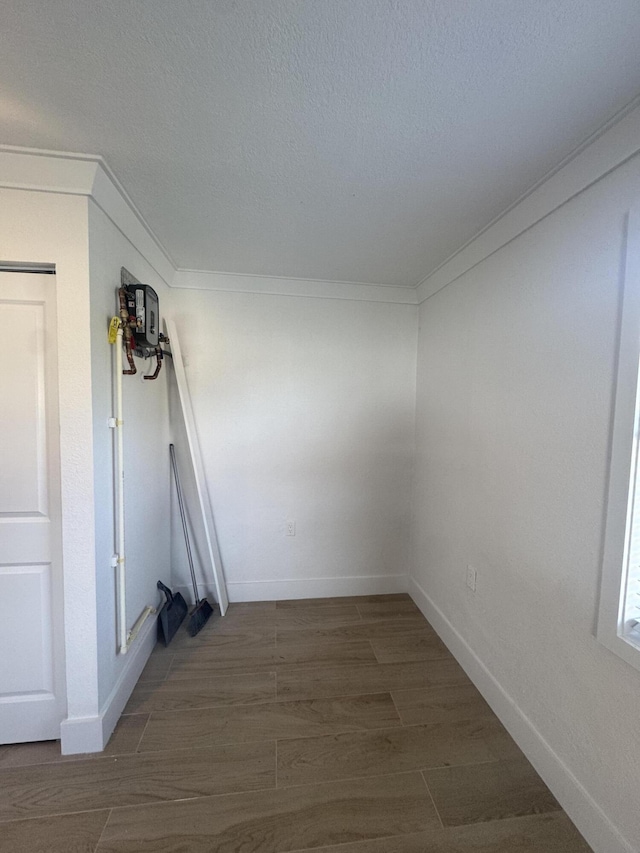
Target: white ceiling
x=350, y=140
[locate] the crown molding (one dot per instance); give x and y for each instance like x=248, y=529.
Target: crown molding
x=610, y=147
x=87, y=175
x=47, y=171
x=304, y=287
x=112, y=199
x=82, y=174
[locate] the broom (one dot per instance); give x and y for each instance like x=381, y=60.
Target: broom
x=202, y=610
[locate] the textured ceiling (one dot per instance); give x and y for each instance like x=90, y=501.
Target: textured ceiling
x=354, y=140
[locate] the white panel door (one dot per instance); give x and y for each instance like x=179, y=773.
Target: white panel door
x=32, y=698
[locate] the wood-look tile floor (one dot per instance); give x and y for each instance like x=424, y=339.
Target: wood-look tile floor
x=332, y=725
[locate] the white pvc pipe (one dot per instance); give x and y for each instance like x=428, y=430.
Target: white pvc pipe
x=142, y=618
x=121, y=581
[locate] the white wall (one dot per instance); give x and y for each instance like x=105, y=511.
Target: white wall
x=146, y=442
x=304, y=409
x=516, y=368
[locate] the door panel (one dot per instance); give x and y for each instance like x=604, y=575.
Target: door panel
x=32, y=701
x=24, y=638
x=23, y=474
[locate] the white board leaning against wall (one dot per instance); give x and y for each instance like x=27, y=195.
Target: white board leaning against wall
x=204, y=500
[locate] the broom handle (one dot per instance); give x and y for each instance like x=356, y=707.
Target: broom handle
x=183, y=516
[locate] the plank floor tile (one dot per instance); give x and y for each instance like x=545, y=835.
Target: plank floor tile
x=40, y=752
x=414, y=843
x=210, y=645
x=424, y=646
x=383, y=751
x=185, y=694
x=480, y=792
x=247, y=655
x=367, y=629
x=213, y=635
x=297, y=655
x=276, y=821
x=440, y=704
x=158, y=665
x=264, y=656
x=239, y=621
x=317, y=617
x=547, y=833
x=134, y=779
x=502, y=744
x=372, y=678
x=388, y=609
x=73, y=833
x=279, y=720
x=298, y=603
x=126, y=735
x=319, y=726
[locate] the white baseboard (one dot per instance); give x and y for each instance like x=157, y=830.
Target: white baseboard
x=91, y=734
x=316, y=588
x=583, y=810
x=81, y=734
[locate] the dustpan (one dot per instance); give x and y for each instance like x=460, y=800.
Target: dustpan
x=172, y=614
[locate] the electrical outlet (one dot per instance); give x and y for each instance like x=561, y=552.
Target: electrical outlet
x=291, y=528
x=472, y=576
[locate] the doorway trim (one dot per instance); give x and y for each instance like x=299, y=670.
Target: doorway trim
x=51, y=229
